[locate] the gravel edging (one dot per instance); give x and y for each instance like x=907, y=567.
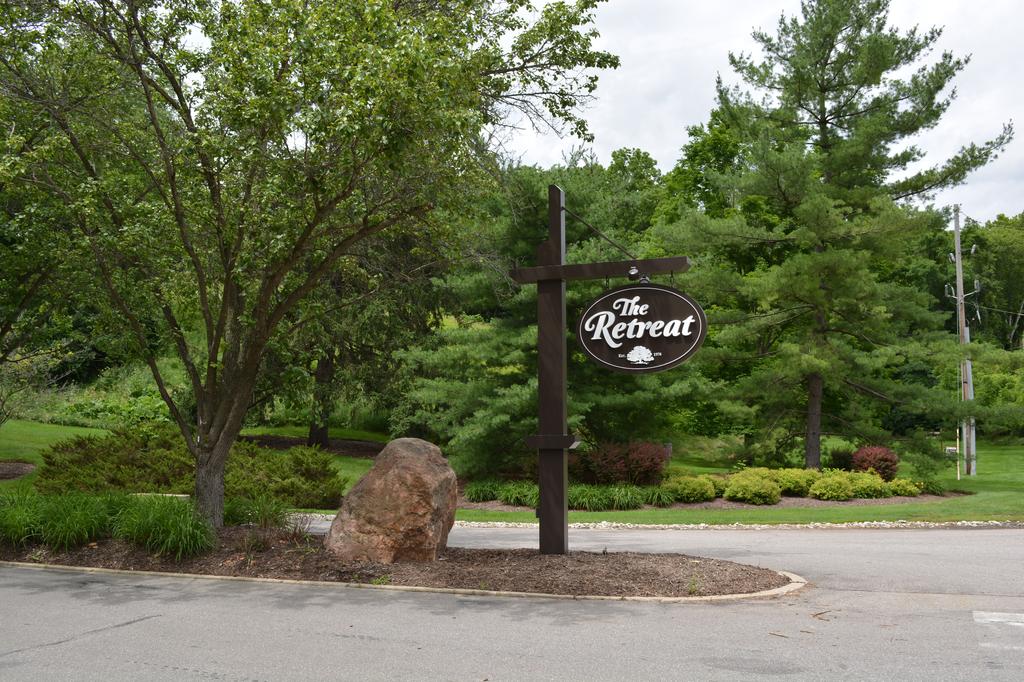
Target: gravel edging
x=795, y=583
x=611, y=525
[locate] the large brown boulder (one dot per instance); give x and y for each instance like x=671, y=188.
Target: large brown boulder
x=401, y=510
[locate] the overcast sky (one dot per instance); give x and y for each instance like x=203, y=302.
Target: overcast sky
x=671, y=51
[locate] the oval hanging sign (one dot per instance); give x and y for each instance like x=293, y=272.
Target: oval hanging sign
x=642, y=328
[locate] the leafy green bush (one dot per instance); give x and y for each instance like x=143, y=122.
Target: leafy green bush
x=589, y=497
x=482, y=491
x=691, y=489
x=904, y=487
x=152, y=459
x=867, y=485
x=796, y=482
x=835, y=486
x=633, y=463
x=68, y=521
x=881, y=459
x=753, y=488
x=20, y=517
x=519, y=494
x=659, y=496
x=165, y=525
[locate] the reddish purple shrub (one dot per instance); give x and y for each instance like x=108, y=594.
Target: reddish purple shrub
x=636, y=463
x=884, y=461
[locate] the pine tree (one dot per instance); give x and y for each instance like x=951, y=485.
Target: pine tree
x=809, y=328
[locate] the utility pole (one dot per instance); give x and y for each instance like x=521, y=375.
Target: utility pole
x=966, y=374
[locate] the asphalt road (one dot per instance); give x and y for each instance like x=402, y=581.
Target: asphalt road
x=882, y=604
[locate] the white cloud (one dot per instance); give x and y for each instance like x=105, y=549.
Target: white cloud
x=671, y=51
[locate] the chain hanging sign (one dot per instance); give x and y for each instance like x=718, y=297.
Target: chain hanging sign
x=641, y=328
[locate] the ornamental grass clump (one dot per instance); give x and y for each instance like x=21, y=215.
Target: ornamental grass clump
x=658, y=496
x=625, y=497
x=166, y=525
x=753, y=488
x=903, y=487
x=834, y=486
x=482, y=491
x=691, y=489
x=20, y=517
x=69, y=521
x=263, y=511
x=519, y=494
x=585, y=497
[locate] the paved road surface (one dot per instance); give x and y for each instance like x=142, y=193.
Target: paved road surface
x=883, y=604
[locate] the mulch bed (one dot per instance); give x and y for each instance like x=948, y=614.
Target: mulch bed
x=279, y=554
x=14, y=469
x=366, y=449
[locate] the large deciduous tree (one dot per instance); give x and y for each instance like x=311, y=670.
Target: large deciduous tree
x=219, y=158
x=810, y=183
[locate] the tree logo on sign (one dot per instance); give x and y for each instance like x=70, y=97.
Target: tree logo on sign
x=640, y=355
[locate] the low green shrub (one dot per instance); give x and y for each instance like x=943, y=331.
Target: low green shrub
x=658, y=496
x=904, y=487
x=869, y=485
x=482, y=491
x=589, y=497
x=930, y=486
x=880, y=459
x=519, y=494
x=626, y=497
x=69, y=521
x=152, y=459
x=752, y=487
x=796, y=482
x=165, y=525
x=835, y=486
x=691, y=489
x=720, y=483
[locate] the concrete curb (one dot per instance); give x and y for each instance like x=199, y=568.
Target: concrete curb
x=796, y=583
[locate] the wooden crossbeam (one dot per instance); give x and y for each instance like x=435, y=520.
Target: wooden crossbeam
x=649, y=266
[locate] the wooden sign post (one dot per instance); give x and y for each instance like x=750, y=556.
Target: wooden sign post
x=553, y=438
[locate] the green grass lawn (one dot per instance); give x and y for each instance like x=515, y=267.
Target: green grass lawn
x=22, y=440
x=303, y=431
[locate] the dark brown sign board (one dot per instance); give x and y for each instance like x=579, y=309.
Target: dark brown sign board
x=553, y=437
x=641, y=328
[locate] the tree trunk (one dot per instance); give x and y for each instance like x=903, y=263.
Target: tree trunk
x=209, y=493
x=812, y=442
x=323, y=402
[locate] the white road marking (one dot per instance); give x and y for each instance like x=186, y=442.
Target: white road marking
x=1003, y=631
